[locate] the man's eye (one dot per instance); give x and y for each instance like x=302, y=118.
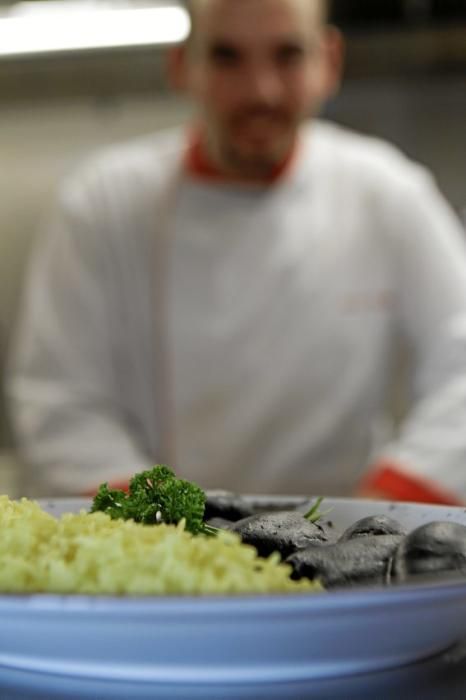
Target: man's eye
x=289, y=55
x=224, y=56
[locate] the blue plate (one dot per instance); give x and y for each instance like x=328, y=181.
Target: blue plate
x=217, y=647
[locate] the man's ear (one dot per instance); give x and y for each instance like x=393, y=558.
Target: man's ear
x=335, y=50
x=177, y=67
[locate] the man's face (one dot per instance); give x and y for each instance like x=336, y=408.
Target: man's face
x=256, y=68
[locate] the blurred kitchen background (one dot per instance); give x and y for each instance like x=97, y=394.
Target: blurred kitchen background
x=62, y=96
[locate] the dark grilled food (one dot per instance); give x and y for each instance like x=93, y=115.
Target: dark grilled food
x=431, y=550
x=373, y=525
x=233, y=507
x=362, y=560
x=227, y=506
x=284, y=532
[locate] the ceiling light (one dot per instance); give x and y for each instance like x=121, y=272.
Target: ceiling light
x=59, y=27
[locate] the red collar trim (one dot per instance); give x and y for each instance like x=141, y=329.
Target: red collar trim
x=199, y=165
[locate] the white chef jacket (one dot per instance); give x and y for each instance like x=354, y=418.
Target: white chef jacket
x=245, y=335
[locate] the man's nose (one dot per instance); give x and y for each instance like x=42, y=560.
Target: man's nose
x=264, y=84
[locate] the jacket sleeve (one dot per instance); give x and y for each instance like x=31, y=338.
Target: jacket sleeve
x=71, y=432
x=427, y=461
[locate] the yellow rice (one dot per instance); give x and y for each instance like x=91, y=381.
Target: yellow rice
x=92, y=554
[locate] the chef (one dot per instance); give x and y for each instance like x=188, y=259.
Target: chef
x=230, y=298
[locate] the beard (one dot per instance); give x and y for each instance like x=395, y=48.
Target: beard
x=257, y=139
